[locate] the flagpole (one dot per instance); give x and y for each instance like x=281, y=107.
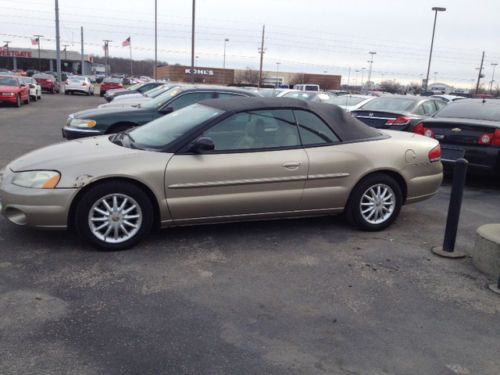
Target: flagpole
x=131, y=62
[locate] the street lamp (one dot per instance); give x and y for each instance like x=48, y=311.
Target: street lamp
x=37, y=38
x=362, y=75
x=277, y=72
x=494, y=65
x=370, y=70
x=224, y=63
x=193, y=18
x=435, y=76
x=436, y=10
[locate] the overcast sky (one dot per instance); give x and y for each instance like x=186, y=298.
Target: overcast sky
x=304, y=36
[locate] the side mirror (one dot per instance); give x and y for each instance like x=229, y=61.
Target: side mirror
x=201, y=145
x=166, y=110
x=23, y=84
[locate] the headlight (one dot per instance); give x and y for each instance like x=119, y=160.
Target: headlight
x=82, y=123
x=8, y=94
x=37, y=179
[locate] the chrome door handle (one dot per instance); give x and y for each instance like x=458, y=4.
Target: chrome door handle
x=291, y=164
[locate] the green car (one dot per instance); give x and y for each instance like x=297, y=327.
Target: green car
x=98, y=121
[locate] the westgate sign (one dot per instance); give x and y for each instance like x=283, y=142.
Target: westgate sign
x=4, y=52
x=201, y=72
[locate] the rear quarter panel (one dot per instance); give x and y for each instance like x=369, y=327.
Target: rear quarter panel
x=405, y=154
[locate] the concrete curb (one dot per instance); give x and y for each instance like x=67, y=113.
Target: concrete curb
x=486, y=252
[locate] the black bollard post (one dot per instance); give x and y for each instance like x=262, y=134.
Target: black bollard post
x=450, y=233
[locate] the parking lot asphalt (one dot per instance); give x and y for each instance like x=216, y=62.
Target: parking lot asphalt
x=307, y=296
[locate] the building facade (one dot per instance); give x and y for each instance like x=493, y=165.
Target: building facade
x=30, y=59
x=181, y=73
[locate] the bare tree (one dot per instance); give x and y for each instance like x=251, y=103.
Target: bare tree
x=390, y=86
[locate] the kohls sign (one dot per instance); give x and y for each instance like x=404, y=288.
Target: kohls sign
x=201, y=72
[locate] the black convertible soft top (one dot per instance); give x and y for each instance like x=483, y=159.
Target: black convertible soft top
x=343, y=124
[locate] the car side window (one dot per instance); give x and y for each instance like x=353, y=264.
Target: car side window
x=313, y=130
x=182, y=101
x=255, y=130
x=228, y=95
x=428, y=108
x=440, y=104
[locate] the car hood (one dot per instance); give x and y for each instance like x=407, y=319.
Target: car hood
x=132, y=102
x=84, y=160
x=127, y=96
x=95, y=113
x=9, y=88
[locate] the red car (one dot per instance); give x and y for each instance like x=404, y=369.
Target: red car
x=110, y=84
x=47, y=81
x=14, y=91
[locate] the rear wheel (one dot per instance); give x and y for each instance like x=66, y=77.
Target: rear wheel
x=114, y=215
x=35, y=98
x=27, y=101
x=375, y=202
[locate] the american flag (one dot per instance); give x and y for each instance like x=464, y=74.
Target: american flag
x=35, y=41
x=126, y=42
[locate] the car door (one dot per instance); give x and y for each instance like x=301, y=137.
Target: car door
x=257, y=168
x=332, y=165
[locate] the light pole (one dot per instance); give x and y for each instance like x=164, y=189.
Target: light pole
x=6, y=46
x=436, y=10
x=106, y=56
x=494, y=65
x=224, y=63
x=37, y=38
x=435, y=76
x=192, y=39
x=277, y=72
x=357, y=71
x=362, y=77
x=65, y=51
x=156, y=41
x=370, y=69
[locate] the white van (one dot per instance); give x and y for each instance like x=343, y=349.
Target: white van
x=306, y=87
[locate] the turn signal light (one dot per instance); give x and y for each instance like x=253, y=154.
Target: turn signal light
x=435, y=154
x=400, y=120
x=52, y=182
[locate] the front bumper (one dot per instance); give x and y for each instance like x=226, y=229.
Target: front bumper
x=8, y=99
x=39, y=208
x=69, y=132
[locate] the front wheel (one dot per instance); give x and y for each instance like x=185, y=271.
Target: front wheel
x=18, y=101
x=375, y=202
x=114, y=215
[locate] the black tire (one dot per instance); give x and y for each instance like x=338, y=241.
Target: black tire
x=101, y=94
x=18, y=101
x=354, y=211
x=66, y=92
x=35, y=98
x=106, y=189
x=27, y=101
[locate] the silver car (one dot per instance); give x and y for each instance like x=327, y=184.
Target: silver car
x=80, y=84
x=221, y=161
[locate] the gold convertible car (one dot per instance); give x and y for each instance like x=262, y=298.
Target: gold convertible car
x=221, y=161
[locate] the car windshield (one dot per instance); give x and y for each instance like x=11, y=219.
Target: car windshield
x=389, y=104
x=156, y=91
x=162, y=98
x=7, y=81
x=136, y=86
x=161, y=132
x=472, y=109
x=112, y=80
x=346, y=100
